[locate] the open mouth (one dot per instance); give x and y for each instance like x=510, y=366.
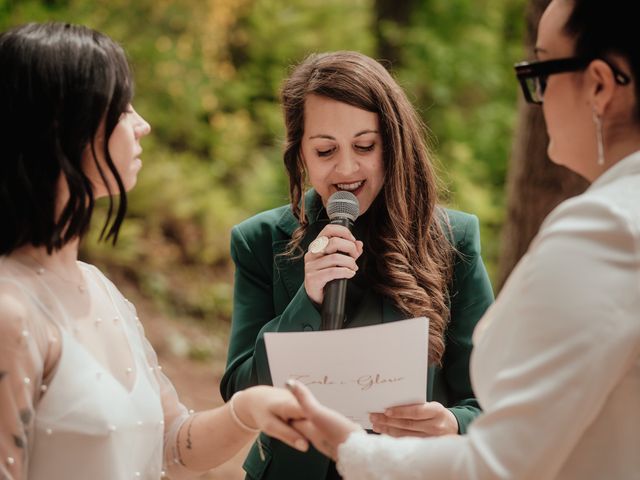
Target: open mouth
x=354, y=187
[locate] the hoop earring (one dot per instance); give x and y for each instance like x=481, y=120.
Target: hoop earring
x=599, y=137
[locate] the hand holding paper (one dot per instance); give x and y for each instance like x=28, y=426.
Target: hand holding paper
x=355, y=371
x=422, y=420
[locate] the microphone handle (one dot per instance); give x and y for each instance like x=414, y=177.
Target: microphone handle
x=335, y=294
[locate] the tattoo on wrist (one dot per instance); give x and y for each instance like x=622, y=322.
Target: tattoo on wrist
x=25, y=416
x=189, y=443
x=178, y=451
x=19, y=441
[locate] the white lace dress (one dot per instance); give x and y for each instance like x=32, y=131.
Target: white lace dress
x=81, y=392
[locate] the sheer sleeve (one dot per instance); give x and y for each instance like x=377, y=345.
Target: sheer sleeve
x=24, y=341
x=175, y=413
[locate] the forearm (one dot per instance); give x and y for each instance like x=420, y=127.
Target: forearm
x=207, y=439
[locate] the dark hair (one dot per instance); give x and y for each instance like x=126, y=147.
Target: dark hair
x=58, y=84
x=600, y=29
x=409, y=257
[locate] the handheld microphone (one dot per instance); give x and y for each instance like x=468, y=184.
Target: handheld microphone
x=343, y=209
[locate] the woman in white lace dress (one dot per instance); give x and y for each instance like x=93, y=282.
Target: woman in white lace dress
x=556, y=363
x=81, y=393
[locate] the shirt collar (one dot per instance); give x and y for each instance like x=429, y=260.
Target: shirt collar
x=313, y=209
x=629, y=165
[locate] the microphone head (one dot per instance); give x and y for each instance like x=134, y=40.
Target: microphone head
x=343, y=204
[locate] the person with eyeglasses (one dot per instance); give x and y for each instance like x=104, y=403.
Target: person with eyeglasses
x=556, y=360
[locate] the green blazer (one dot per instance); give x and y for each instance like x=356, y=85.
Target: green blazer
x=269, y=296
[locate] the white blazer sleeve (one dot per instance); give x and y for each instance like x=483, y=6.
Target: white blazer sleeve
x=550, y=353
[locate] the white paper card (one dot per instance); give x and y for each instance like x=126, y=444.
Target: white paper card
x=356, y=370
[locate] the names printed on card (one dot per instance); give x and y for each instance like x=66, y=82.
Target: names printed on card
x=355, y=370
x=364, y=382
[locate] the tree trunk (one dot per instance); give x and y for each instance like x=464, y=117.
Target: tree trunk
x=394, y=12
x=535, y=185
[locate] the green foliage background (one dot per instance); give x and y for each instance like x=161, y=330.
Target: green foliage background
x=208, y=74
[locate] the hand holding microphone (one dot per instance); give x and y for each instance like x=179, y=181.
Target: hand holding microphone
x=331, y=259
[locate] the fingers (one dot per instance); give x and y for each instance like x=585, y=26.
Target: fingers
x=334, y=257
x=336, y=245
x=305, y=398
x=319, y=440
x=382, y=424
x=399, y=432
x=332, y=230
x=306, y=428
x=314, y=282
x=340, y=240
x=329, y=268
x=428, y=419
x=272, y=409
x=419, y=411
x=310, y=407
x=320, y=271
x=283, y=431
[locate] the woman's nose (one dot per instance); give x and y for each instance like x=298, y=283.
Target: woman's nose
x=142, y=127
x=347, y=162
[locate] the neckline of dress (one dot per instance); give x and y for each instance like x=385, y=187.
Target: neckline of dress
x=65, y=335
x=63, y=327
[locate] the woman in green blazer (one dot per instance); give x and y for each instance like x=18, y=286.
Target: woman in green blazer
x=351, y=127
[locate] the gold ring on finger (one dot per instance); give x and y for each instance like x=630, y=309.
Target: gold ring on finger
x=319, y=244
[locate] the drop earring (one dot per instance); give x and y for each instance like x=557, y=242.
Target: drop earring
x=599, y=137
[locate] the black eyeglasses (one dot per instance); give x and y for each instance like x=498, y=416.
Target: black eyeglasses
x=533, y=76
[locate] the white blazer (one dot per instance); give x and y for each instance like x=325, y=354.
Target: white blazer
x=556, y=365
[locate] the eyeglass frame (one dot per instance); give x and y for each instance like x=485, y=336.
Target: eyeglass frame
x=544, y=68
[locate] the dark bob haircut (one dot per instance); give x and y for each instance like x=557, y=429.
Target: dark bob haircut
x=58, y=84
x=603, y=28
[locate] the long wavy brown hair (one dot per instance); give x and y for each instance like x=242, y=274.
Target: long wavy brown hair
x=409, y=258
